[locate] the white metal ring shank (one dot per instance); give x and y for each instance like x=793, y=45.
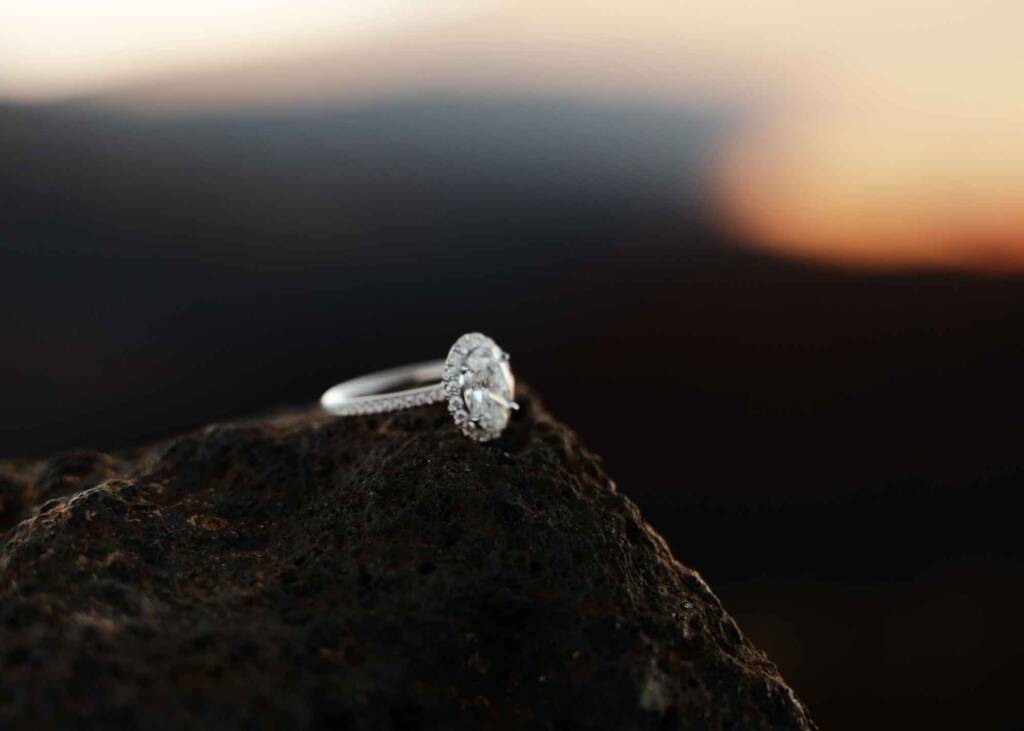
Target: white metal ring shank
x=373, y=394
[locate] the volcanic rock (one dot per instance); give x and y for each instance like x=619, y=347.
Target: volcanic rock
x=377, y=572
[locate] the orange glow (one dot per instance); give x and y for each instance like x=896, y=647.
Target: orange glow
x=876, y=191
x=909, y=153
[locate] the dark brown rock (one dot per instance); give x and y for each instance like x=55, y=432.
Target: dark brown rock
x=370, y=573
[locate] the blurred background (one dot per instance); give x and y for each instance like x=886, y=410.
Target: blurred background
x=766, y=257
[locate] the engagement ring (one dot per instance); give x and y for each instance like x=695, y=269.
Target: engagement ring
x=474, y=379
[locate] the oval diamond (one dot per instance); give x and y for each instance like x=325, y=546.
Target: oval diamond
x=484, y=387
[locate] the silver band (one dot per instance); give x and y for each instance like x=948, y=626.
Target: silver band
x=373, y=394
x=475, y=380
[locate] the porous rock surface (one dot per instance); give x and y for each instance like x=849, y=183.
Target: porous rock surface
x=379, y=572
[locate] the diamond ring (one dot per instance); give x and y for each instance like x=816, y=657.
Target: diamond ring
x=475, y=380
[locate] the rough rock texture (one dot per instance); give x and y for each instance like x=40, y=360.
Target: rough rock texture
x=370, y=573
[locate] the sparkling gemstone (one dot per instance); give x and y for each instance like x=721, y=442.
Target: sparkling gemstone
x=479, y=386
x=487, y=389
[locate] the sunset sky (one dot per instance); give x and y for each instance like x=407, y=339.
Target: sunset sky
x=879, y=134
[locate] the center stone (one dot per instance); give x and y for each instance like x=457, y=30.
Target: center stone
x=486, y=384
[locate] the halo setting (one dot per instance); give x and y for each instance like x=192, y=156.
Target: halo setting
x=479, y=385
x=475, y=380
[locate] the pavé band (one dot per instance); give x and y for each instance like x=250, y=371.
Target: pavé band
x=475, y=380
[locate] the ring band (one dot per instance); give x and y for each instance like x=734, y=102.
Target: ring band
x=374, y=394
x=475, y=379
